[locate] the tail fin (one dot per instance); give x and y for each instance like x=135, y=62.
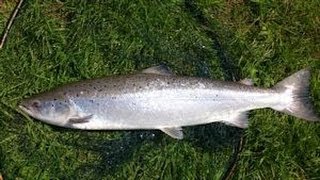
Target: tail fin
x=296, y=90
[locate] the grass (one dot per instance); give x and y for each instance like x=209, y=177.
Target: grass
x=55, y=42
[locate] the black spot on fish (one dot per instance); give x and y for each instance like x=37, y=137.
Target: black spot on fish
x=65, y=93
x=105, y=86
x=100, y=90
x=113, y=97
x=91, y=100
x=95, y=88
x=55, y=99
x=114, y=85
x=77, y=95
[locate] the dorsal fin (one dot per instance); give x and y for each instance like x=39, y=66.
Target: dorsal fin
x=247, y=81
x=160, y=70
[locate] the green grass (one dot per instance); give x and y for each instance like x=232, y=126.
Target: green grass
x=53, y=42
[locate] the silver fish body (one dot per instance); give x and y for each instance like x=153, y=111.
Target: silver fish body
x=157, y=100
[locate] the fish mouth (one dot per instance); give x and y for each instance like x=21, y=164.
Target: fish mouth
x=25, y=109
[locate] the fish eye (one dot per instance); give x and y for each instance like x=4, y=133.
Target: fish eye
x=36, y=104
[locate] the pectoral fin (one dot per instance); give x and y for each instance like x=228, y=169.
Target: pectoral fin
x=160, y=70
x=79, y=120
x=174, y=132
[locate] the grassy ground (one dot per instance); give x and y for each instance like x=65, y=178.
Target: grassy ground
x=55, y=42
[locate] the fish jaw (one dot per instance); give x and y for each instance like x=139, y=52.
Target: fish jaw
x=26, y=110
x=27, y=107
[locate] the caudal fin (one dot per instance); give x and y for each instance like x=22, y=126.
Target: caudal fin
x=296, y=96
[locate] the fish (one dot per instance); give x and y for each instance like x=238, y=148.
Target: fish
x=156, y=98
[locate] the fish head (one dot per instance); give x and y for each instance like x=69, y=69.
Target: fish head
x=50, y=109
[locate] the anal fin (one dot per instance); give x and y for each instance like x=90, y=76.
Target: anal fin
x=174, y=132
x=239, y=120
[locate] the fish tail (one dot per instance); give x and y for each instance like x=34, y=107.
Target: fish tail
x=295, y=96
